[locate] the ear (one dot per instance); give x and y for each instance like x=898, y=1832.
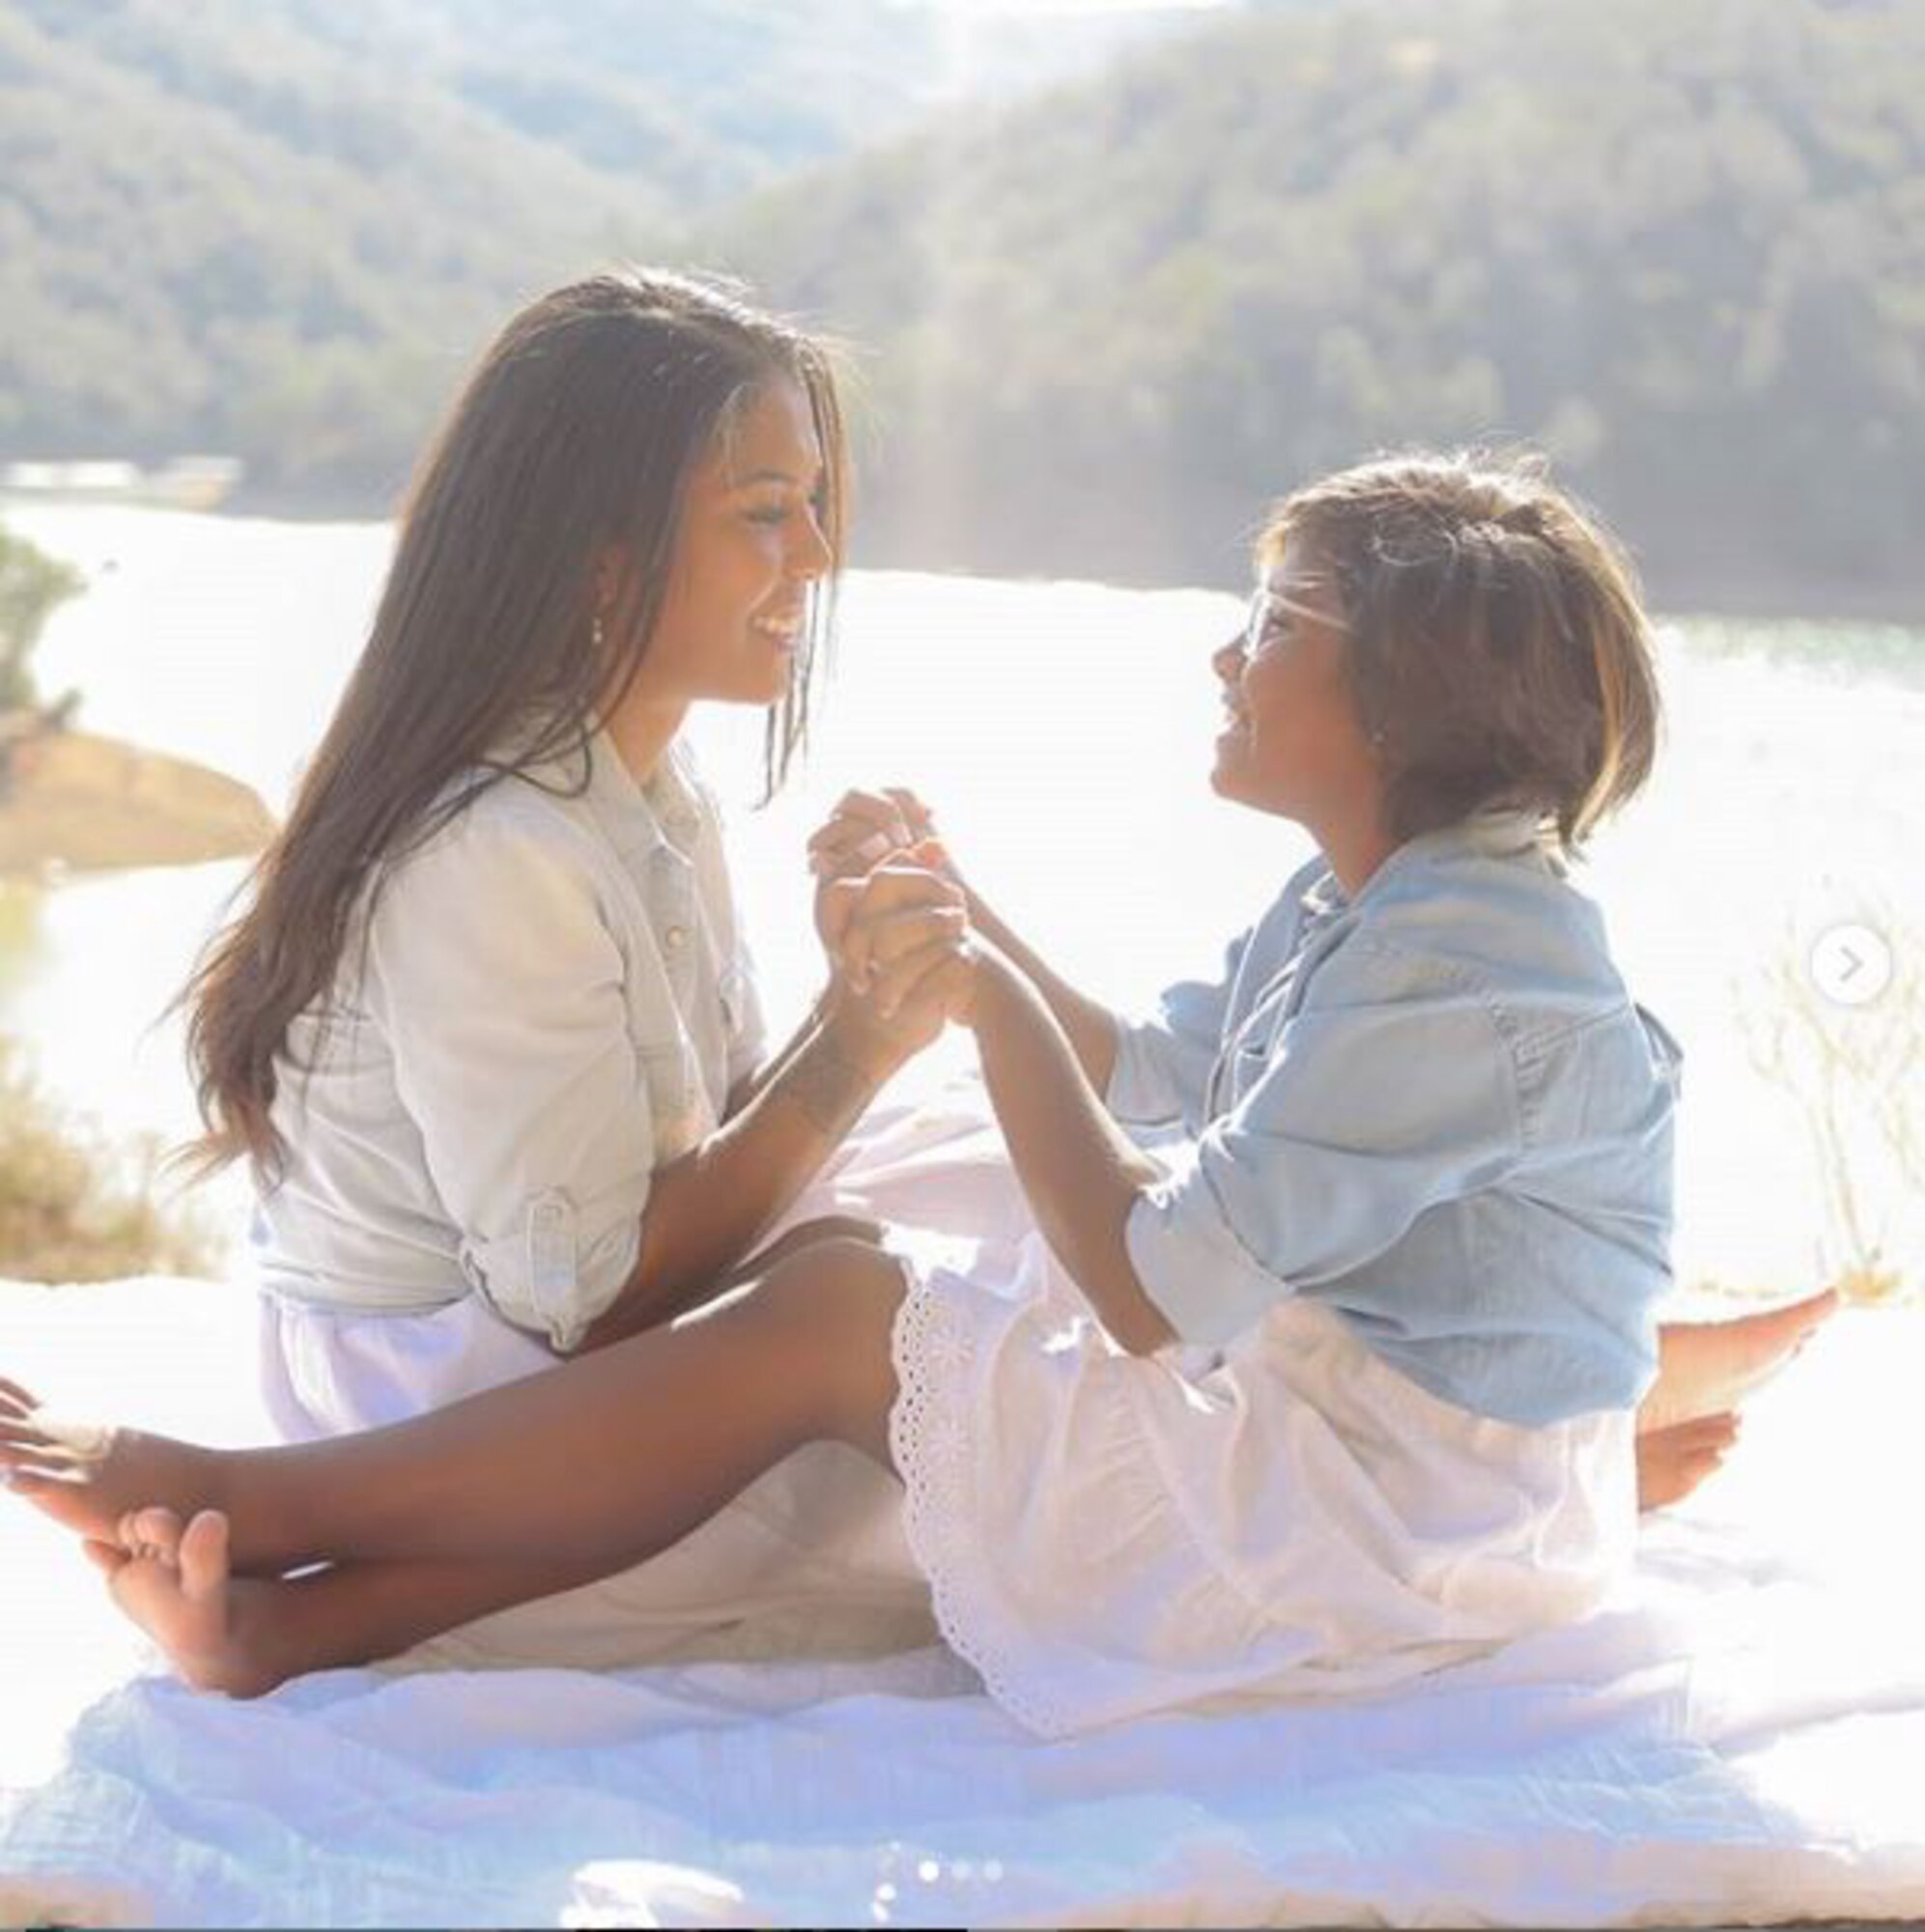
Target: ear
x=608, y=576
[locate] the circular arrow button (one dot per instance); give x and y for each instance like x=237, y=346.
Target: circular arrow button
x=1850, y=964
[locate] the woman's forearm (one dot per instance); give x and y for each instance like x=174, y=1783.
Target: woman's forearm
x=750, y=1084
x=1090, y=1027
x=709, y=1210
x=1081, y=1172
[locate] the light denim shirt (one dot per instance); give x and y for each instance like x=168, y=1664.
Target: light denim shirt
x=1434, y=1108
x=553, y=999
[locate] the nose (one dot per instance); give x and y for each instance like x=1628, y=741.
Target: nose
x=1227, y=660
x=811, y=555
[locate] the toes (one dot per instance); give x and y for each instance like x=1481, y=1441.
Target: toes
x=15, y=1400
x=22, y=1432
x=34, y=1477
x=1798, y=1320
x=84, y=1441
x=48, y=1457
x=204, y=1555
x=1815, y=1310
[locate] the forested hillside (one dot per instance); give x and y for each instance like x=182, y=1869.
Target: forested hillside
x=221, y=233
x=278, y=229
x=1682, y=242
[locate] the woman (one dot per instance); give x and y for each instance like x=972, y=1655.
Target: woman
x=488, y=1029
x=1458, y=1459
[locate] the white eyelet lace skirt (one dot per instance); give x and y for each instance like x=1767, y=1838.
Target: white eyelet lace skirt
x=1106, y=1536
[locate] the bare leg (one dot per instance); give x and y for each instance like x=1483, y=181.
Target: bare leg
x=1706, y=1368
x=566, y=1475
x=246, y=1634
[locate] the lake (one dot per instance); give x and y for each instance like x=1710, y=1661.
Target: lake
x=1063, y=731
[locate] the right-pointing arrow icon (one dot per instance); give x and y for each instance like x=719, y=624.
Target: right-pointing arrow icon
x=1850, y=964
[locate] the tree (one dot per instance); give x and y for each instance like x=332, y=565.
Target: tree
x=33, y=585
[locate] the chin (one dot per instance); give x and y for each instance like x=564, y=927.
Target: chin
x=771, y=689
x=1231, y=780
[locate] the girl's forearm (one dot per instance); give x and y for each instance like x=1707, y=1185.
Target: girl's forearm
x=1081, y=1172
x=713, y=1207
x=749, y=1085
x=1088, y=1027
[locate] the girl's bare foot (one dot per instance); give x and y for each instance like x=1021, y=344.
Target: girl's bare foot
x=175, y=1584
x=88, y=1477
x=1672, y=1461
x=1706, y=1368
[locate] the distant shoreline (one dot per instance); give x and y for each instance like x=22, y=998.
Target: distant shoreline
x=1761, y=591
x=1738, y=592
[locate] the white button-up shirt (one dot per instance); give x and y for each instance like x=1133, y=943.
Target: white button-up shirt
x=551, y=998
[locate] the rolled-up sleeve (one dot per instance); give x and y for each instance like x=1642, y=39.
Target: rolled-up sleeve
x=500, y=987
x=1391, y=1091
x=1163, y=1061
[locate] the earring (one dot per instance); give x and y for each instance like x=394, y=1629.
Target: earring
x=596, y=635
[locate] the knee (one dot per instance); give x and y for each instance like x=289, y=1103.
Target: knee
x=844, y=1279
x=834, y=1306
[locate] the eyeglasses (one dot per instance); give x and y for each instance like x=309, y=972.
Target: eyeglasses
x=1268, y=613
x=1265, y=617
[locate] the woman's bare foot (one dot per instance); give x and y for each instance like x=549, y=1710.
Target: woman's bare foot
x=1672, y=1461
x=175, y=1584
x=1706, y=1368
x=88, y=1477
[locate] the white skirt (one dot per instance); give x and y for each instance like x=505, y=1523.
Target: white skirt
x=1100, y=1536
x=811, y=1558
x=1107, y=1536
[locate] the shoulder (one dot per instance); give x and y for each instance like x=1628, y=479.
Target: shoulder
x=1511, y=927
x=507, y=852
x=1513, y=942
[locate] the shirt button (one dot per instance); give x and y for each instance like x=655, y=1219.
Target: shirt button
x=677, y=937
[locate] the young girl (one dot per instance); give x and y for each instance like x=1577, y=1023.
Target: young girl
x=1333, y=1381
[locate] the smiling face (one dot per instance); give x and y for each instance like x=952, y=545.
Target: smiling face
x=748, y=548
x=1292, y=742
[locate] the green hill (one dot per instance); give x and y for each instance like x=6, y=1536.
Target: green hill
x=279, y=229
x=222, y=234
x=1682, y=242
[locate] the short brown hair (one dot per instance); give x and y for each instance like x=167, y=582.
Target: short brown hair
x=1499, y=654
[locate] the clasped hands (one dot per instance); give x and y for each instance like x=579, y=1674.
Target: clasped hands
x=892, y=915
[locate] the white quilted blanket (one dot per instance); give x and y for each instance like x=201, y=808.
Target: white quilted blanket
x=1740, y=1738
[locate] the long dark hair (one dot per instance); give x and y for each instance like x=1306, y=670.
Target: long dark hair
x=577, y=433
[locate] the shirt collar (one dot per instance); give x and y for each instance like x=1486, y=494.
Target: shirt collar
x=1503, y=832
x=637, y=819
